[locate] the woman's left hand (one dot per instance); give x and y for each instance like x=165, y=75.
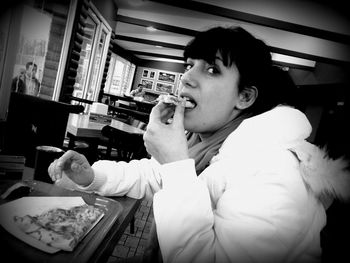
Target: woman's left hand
x=166, y=142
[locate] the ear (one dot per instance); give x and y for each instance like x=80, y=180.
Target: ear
x=247, y=97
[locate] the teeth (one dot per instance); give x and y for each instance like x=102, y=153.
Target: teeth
x=189, y=103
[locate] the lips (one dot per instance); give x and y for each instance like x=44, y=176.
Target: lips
x=190, y=102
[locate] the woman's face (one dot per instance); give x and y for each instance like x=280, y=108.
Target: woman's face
x=214, y=89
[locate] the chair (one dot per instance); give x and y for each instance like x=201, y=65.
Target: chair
x=80, y=101
x=118, y=111
x=125, y=147
x=33, y=121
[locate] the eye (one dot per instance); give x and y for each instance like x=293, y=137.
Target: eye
x=187, y=66
x=212, y=69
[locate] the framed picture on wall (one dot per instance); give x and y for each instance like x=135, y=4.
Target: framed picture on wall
x=164, y=87
x=145, y=73
x=165, y=76
x=152, y=74
x=147, y=83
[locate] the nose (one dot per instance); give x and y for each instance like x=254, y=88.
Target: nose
x=188, y=80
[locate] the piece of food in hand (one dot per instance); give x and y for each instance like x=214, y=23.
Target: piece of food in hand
x=171, y=99
x=60, y=228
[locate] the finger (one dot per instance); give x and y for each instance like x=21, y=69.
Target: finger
x=51, y=171
x=76, y=167
x=156, y=113
x=55, y=171
x=178, y=118
x=65, y=160
x=62, y=164
x=167, y=114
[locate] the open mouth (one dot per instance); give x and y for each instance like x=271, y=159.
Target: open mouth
x=190, y=103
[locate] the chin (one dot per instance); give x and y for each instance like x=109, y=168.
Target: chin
x=191, y=126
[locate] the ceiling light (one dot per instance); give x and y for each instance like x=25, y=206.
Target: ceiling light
x=151, y=28
x=159, y=46
x=293, y=60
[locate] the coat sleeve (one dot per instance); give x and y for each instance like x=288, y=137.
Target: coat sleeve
x=136, y=179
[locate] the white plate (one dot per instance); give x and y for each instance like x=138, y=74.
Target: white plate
x=35, y=206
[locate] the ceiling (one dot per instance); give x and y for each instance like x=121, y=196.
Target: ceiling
x=300, y=33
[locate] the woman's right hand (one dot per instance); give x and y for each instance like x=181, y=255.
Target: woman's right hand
x=75, y=166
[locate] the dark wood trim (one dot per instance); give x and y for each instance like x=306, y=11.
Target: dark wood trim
x=149, y=42
x=258, y=20
x=159, y=26
x=157, y=55
x=181, y=47
x=181, y=30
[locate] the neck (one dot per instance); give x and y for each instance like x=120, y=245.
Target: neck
x=237, y=120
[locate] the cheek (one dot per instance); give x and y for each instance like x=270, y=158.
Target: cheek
x=223, y=100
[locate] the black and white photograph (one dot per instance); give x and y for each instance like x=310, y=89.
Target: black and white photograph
x=165, y=76
x=145, y=73
x=164, y=87
x=152, y=74
x=175, y=131
x=147, y=84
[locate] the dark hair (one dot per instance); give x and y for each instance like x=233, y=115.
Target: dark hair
x=250, y=55
x=31, y=63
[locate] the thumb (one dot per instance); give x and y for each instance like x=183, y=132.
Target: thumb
x=178, y=118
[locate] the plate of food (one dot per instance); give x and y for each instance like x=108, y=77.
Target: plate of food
x=50, y=223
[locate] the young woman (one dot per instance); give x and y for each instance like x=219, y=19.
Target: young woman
x=232, y=179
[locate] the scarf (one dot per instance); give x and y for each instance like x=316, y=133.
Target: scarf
x=202, y=151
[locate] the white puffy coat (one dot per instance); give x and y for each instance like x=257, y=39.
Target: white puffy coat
x=258, y=201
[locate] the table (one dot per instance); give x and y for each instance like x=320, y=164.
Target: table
x=97, y=246
x=114, y=98
x=127, y=112
x=80, y=126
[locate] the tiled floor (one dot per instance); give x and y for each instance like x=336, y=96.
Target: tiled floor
x=134, y=244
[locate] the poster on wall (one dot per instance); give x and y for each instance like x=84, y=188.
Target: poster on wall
x=152, y=74
x=164, y=87
x=148, y=84
x=165, y=76
x=145, y=73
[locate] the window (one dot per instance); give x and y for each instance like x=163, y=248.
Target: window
x=96, y=39
x=120, y=76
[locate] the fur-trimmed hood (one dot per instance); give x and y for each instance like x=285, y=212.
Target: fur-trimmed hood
x=289, y=128
x=325, y=176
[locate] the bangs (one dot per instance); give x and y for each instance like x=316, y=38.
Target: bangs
x=207, y=45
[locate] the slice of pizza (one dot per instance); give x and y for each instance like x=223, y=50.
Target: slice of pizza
x=173, y=100
x=60, y=228
x=31, y=227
